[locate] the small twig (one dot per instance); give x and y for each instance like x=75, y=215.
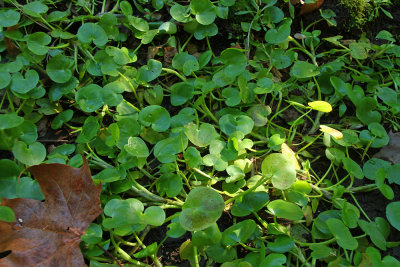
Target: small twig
x=109, y=254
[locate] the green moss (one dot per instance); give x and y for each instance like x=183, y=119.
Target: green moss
x=358, y=12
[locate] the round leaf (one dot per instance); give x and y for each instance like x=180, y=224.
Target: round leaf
x=393, y=214
x=240, y=123
x=34, y=154
x=281, y=170
x=202, y=208
x=9, y=17
x=89, y=97
x=137, y=147
x=286, y=210
x=37, y=43
x=59, y=68
x=91, y=32
x=156, y=116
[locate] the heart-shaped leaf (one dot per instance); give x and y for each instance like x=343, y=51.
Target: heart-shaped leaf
x=240, y=123
x=204, y=11
x=37, y=43
x=59, y=68
x=23, y=85
x=91, y=32
x=202, y=136
x=30, y=155
x=149, y=72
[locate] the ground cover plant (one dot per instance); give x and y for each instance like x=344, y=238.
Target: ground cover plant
x=199, y=133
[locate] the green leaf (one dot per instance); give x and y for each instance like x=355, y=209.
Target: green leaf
x=204, y=11
x=149, y=72
x=250, y=202
x=279, y=34
x=138, y=23
x=320, y=106
x=9, y=17
x=207, y=237
x=353, y=168
x=239, y=232
x=154, y=215
x=30, y=155
x=137, y=147
x=169, y=184
x=235, y=174
x=5, y=79
x=178, y=12
x=59, y=68
x=358, y=50
x=393, y=214
x=281, y=170
x=108, y=175
x=365, y=110
x=274, y=260
x=192, y=157
x=202, y=136
x=236, y=123
x=61, y=118
x=23, y=85
x=37, y=43
x=202, y=208
x=232, y=96
x=35, y=9
x=93, y=234
x=281, y=244
x=10, y=120
x=89, y=97
x=286, y=210
x=303, y=69
x=342, y=234
x=148, y=251
x=6, y=214
x=259, y=114
x=89, y=130
x=235, y=61
x=181, y=93
x=156, y=116
x=165, y=150
x=91, y=32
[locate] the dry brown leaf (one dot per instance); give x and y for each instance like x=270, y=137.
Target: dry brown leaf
x=307, y=8
x=48, y=233
x=391, y=152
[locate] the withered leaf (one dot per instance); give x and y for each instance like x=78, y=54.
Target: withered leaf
x=391, y=152
x=48, y=233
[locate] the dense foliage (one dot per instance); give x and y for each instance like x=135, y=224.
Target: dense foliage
x=220, y=122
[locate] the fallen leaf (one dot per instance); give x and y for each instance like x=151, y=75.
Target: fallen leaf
x=169, y=53
x=48, y=233
x=308, y=8
x=391, y=152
